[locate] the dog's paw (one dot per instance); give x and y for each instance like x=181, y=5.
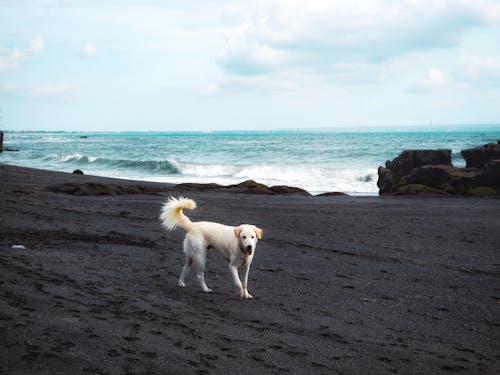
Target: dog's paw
x=247, y=295
x=243, y=293
x=208, y=290
x=182, y=284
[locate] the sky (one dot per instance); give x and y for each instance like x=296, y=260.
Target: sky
x=248, y=65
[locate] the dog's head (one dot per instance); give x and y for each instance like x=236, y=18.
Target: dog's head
x=247, y=236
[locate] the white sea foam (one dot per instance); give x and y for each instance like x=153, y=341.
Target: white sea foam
x=316, y=180
x=196, y=170
x=71, y=157
x=49, y=139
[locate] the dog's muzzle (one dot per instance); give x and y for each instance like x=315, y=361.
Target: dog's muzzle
x=247, y=250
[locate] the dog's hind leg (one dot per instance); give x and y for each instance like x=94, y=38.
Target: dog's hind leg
x=199, y=265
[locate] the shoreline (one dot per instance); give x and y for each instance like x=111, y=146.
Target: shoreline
x=342, y=284
x=201, y=181
x=202, y=186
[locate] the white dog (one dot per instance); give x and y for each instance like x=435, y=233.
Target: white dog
x=236, y=244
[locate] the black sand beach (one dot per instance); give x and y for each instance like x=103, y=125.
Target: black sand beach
x=343, y=285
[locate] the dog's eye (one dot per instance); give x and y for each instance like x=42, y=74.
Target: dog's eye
x=253, y=236
x=244, y=237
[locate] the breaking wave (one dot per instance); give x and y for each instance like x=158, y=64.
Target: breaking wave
x=94, y=162
x=316, y=180
x=313, y=179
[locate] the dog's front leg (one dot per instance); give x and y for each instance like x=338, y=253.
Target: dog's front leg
x=236, y=278
x=245, y=282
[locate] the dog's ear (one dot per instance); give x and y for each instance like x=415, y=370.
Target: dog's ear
x=259, y=232
x=237, y=231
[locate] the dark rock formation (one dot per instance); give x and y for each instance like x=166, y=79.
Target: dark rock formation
x=477, y=157
x=245, y=187
x=192, y=186
x=251, y=187
x=391, y=177
x=431, y=172
x=332, y=194
x=490, y=174
x=282, y=189
x=78, y=171
x=92, y=188
x=411, y=159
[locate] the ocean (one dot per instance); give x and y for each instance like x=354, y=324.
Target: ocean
x=317, y=161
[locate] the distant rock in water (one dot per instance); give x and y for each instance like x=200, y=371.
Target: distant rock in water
x=431, y=172
x=1, y=144
x=78, y=171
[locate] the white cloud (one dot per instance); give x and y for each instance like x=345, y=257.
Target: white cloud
x=329, y=29
x=436, y=78
x=490, y=9
x=276, y=82
x=10, y=59
x=13, y=58
x=210, y=90
x=435, y=81
x=478, y=69
x=49, y=90
x=37, y=91
x=36, y=45
x=338, y=38
x=88, y=50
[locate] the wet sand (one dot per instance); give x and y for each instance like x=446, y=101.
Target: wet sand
x=342, y=285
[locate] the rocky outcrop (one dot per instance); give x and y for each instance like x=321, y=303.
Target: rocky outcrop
x=478, y=157
x=333, y=194
x=193, y=186
x=411, y=159
x=93, y=188
x=245, y=187
x=393, y=175
x=431, y=172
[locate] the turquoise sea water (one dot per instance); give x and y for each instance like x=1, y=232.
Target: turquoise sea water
x=316, y=161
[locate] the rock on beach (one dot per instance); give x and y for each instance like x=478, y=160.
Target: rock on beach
x=431, y=172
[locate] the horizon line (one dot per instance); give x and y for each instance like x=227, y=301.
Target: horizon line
x=329, y=129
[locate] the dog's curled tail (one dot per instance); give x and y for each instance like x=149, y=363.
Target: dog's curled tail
x=171, y=213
